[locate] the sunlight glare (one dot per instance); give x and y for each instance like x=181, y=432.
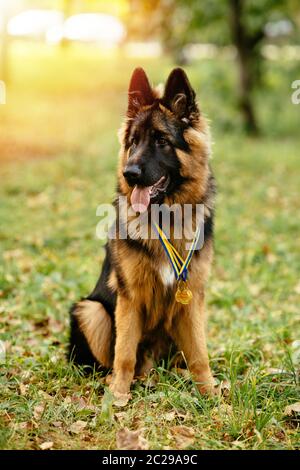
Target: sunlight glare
x=94, y=27
x=34, y=23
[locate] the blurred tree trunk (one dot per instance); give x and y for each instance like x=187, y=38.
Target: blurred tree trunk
x=248, y=62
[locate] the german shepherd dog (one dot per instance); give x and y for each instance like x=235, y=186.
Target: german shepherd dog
x=131, y=319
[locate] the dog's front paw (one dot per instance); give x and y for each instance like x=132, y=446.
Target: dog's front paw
x=208, y=387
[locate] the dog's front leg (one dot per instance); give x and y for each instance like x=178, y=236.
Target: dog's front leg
x=189, y=335
x=128, y=335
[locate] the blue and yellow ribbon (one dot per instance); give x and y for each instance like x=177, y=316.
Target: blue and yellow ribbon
x=180, y=266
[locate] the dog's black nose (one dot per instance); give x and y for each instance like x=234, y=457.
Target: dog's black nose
x=132, y=173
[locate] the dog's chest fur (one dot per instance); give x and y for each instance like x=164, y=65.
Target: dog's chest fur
x=149, y=279
x=167, y=274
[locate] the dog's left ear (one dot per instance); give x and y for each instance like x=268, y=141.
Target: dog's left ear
x=179, y=96
x=139, y=92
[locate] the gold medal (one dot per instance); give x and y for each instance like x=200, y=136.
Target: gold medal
x=183, y=294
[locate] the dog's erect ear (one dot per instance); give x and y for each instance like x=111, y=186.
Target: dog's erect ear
x=140, y=92
x=179, y=96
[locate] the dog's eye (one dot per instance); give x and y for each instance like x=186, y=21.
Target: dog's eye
x=161, y=141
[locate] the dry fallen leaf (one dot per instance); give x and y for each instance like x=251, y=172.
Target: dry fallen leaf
x=293, y=411
x=77, y=427
x=55, y=326
x=120, y=416
x=23, y=389
x=225, y=388
x=276, y=371
x=57, y=424
x=46, y=445
x=254, y=289
x=295, y=346
x=38, y=411
x=183, y=435
x=170, y=416
x=22, y=425
x=82, y=404
x=131, y=440
x=45, y=395
x=218, y=413
x=238, y=444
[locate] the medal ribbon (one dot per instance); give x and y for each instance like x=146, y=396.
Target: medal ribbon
x=180, y=266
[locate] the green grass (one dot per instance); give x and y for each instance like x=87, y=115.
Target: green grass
x=58, y=149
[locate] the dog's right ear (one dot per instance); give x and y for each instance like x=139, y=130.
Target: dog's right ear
x=139, y=93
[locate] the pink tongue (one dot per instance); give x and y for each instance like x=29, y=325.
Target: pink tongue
x=140, y=198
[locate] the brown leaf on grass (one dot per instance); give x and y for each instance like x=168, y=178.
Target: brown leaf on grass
x=218, y=413
x=25, y=376
x=37, y=200
x=295, y=346
x=57, y=424
x=183, y=435
x=293, y=412
x=83, y=404
x=38, y=411
x=226, y=409
x=41, y=323
x=151, y=381
x=227, y=437
x=46, y=445
x=254, y=289
x=55, y=326
x=225, y=388
x=120, y=416
x=23, y=425
x=12, y=254
x=77, y=427
x=170, y=416
x=23, y=389
x=240, y=303
x=45, y=395
x=238, y=444
x=131, y=440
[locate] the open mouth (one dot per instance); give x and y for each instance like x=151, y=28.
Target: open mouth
x=142, y=195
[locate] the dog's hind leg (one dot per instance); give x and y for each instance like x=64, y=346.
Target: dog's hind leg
x=92, y=337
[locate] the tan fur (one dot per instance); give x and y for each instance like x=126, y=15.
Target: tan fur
x=112, y=281
x=96, y=325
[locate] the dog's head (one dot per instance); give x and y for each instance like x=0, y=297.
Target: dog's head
x=165, y=143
